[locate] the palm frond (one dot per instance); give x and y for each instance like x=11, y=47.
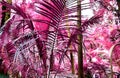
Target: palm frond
x=19, y=11
x=21, y=27
x=106, y=5
x=93, y=20
x=57, y=12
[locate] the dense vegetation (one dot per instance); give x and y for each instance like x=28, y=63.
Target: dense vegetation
x=54, y=38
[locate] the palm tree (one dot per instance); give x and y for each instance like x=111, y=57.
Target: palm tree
x=61, y=17
x=80, y=51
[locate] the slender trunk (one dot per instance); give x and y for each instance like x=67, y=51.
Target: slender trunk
x=5, y=15
x=51, y=62
x=71, y=54
x=111, y=59
x=72, y=63
x=80, y=53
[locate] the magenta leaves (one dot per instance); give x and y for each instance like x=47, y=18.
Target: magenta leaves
x=37, y=40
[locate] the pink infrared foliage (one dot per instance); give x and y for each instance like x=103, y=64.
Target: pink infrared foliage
x=98, y=38
x=29, y=8
x=116, y=55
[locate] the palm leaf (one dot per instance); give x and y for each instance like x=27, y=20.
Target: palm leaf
x=58, y=13
x=54, y=11
x=93, y=20
x=24, y=23
x=107, y=5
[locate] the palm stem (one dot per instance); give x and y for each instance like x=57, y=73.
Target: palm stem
x=72, y=63
x=111, y=59
x=5, y=15
x=71, y=54
x=80, y=53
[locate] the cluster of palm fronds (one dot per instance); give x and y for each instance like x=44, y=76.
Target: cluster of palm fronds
x=28, y=52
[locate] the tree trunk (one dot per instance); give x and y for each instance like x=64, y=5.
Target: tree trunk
x=5, y=15
x=80, y=53
x=71, y=54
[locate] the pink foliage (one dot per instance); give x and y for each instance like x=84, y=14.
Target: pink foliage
x=116, y=54
x=99, y=37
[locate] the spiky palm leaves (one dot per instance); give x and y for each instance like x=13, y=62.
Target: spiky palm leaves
x=55, y=12
x=31, y=46
x=23, y=36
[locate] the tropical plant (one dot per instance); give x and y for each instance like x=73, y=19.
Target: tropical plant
x=43, y=39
